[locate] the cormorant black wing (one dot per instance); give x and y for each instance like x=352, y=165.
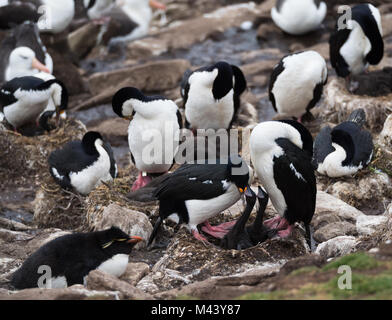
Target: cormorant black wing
x=193, y=181
x=71, y=158
x=322, y=146
x=294, y=177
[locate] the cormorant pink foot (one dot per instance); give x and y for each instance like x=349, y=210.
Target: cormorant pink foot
x=218, y=232
x=285, y=233
x=141, y=182
x=199, y=237
x=101, y=21
x=215, y=234
x=283, y=224
x=273, y=223
x=227, y=226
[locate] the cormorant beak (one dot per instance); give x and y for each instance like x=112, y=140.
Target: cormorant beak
x=242, y=190
x=157, y=5
x=39, y=66
x=135, y=239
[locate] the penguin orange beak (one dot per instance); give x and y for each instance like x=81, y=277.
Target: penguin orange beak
x=157, y=5
x=135, y=239
x=39, y=66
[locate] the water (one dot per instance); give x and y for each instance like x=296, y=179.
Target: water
x=227, y=46
x=94, y=116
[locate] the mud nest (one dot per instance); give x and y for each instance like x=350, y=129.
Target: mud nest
x=194, y=260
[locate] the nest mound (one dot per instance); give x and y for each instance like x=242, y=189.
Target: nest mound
x=55, y=207
x=187, y=260
x=114, y=193
x=25, y=157
x=24, y=165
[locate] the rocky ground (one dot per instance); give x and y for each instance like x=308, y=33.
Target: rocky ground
x=353, y=220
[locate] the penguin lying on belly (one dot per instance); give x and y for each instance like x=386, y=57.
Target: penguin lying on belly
x=81, y=165
x=345, y=149
x=71, y=258
x=241, y=236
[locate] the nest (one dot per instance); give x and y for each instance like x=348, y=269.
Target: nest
x=24, y=164
x=115, y=193
x=58, y=208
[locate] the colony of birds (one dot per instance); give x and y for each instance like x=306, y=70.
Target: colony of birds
x=284, y=156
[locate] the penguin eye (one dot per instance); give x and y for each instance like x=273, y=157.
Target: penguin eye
x=108, y=244
x=23, y=57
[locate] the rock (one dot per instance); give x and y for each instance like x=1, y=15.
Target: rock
x=71, y=293
x=326, y=203
x=339, y=104
x=301, y=262
x=336, y=247
x=130, y=221
x=112, y=127
x=247, y=115
x=322, y=49
x=385, y=137
x=323, y=219
x=369, y=193
x=135, y=272
x=83, y=40
x=230, y=286
x=149, y=77
x=6, y=265
x=147, y=284
x=12, y=236
x=68, y=73
x=264, y=66
x=182, y=35
x=335, y=229
x=366, y=225
x=98, y=280
x=13, y=225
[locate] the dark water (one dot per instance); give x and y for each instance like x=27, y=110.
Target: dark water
x=94, y=116
x=227, y=46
